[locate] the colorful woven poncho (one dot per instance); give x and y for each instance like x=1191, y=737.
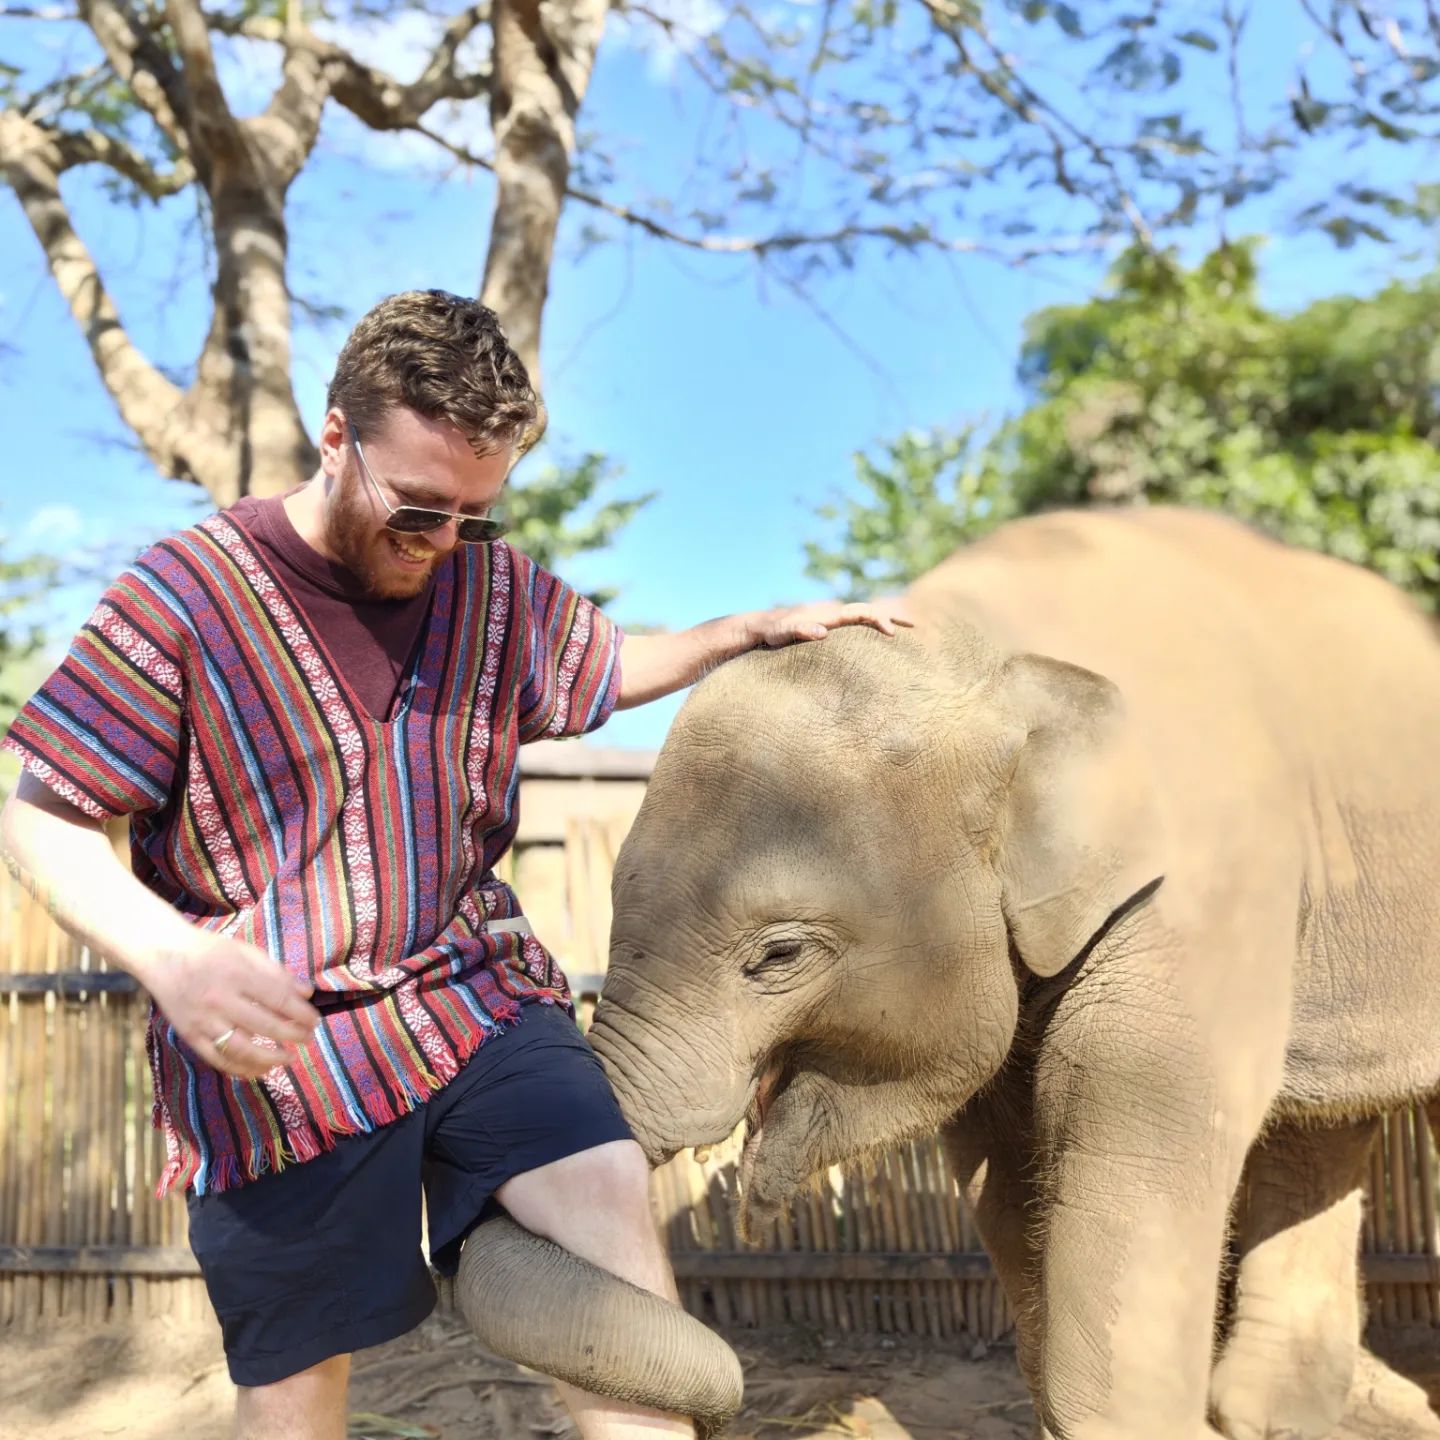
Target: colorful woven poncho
x=267, y=804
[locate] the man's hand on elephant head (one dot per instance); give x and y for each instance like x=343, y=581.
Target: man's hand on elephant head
x=789, y=624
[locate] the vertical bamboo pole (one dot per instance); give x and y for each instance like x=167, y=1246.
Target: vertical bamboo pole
x=881, y=1311
x=909, y=1311
x=1383, y=1227
x=822, y=1238
x=732, y=1301
x=827, y=1231
x=117, y=1039
x=922, y=1193
x=947, y=1221
x=1413, y=1236
x=1430, y=1231
x=8, y=1158
x=101, y=1117
x=31, y=1100
x=1400, y=1196
x=923, y=1157
x=145, y=1155
x=64, y=1080
x=866, y=1231
x=9, y=1107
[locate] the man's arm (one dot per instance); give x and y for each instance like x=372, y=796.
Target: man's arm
x=656, y=665
x=205, y=984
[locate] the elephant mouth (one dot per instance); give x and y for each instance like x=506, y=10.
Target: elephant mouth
x=770, y=1089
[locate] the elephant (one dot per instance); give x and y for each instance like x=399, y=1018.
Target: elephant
x=1118, y=873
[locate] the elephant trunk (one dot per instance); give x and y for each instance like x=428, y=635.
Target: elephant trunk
x=538, y=1304
x=666, y=1111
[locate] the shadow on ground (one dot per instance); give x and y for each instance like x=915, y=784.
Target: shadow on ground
x=159, y=1380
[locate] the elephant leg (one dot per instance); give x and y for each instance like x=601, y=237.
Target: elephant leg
x=1142, y=1129
x=1287, y=1364
x=990, y=1149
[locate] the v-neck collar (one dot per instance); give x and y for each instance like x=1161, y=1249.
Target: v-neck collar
x=288, y=615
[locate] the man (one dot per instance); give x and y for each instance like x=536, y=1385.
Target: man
x=309, y=709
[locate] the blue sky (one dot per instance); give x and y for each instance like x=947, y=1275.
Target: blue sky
x=739, y=404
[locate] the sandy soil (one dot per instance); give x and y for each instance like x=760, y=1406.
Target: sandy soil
x=161, y=1381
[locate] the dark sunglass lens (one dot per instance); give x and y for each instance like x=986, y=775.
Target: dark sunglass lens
x=479, y=530
x=410, y=520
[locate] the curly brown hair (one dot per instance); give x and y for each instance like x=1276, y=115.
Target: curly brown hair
x=442, y=355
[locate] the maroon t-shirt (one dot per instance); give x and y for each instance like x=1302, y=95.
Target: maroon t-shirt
x=370, y=640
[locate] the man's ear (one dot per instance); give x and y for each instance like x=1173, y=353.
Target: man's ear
x=1078, y=836
x=334, y=433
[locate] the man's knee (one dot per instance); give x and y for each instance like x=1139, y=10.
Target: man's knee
x=617, y=1171
x=309, y=1405
x=608, y=1185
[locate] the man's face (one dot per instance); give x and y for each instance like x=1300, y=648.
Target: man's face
x=412, y=461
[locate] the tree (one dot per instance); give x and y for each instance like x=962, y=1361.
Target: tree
x=924, y=125
x=23, y=582
x=1177, y=385
x=153, y=113
x=542, y=514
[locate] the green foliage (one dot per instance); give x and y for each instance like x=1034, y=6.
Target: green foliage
x=927, y=493
x=23, y=583
x=554, y=516
x=1176, y=385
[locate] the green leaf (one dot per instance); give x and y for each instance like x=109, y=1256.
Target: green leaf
x=1199, y=39
x=1068, y=19
x=1174, y=384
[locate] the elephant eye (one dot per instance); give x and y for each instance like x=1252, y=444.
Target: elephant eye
x=776, y=954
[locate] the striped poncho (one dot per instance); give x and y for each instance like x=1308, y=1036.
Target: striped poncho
x=267, y=804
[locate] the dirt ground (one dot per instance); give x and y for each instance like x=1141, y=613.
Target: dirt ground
x=161, y=1381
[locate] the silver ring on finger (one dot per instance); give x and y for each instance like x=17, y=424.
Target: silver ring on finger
x=221, y=1041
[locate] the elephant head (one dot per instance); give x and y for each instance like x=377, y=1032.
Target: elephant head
x=849, y=858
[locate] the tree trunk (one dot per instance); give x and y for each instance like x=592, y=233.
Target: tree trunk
x=243, y=388
x=543, y=55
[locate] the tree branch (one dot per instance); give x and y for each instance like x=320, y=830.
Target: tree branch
x=214, y=131
x=1028, y=105
x=143, y=65
x=369, y=93
x=92, y=147
x=542, y=63
x=908, y=237
x=31, y=162
x=439, y=76
x=288, y=128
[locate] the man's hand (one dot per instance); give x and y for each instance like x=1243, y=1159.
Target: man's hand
x=791, y=623
x=210, y=987
x=226, y=991
x=656, y=665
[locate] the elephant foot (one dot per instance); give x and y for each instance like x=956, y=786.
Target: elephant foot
x=1386, y=1406
x=1287, y=1385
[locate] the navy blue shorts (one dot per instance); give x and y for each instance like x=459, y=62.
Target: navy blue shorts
x=324, y=1258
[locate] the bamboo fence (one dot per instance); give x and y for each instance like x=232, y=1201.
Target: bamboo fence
x=884, y=1248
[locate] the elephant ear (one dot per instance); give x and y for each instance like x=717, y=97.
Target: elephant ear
x=1078, y=834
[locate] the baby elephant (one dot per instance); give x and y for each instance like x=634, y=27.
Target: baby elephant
x=1121, y=871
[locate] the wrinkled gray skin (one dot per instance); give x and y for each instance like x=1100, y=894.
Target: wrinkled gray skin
x=883, y=888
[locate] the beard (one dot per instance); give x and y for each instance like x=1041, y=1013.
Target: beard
x=367, y=553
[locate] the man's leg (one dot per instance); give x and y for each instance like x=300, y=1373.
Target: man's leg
x=611, y=1226
x=307, y=1406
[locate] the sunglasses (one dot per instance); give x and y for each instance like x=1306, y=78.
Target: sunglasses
x=417, y=520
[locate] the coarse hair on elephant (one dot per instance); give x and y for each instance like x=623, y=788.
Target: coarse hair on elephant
x=1119, y=873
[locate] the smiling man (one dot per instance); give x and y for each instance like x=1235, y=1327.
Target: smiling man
x=309, y=709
